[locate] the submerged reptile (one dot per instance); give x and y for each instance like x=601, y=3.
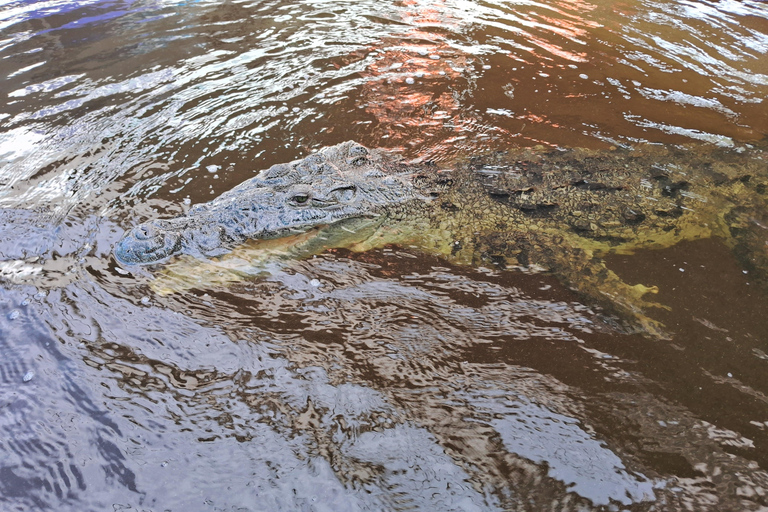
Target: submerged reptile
x=563, y=210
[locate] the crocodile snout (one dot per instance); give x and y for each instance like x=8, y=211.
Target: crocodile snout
x=147, y=243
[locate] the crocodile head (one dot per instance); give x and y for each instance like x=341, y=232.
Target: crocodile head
x=336, y=183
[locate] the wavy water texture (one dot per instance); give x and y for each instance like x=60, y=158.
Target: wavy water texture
x=387, y=380
x=239, y=86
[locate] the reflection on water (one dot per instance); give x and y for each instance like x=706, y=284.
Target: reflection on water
x=386, y=380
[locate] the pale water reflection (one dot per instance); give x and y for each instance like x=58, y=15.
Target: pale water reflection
x=386, y=380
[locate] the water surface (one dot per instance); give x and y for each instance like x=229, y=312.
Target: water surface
x=386, y=380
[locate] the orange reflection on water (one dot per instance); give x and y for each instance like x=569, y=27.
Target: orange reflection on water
x=397, y=97
x=556, y=50
x=417, y=80
x=419, y=85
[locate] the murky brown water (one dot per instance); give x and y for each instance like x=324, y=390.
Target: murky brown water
x=386, y=380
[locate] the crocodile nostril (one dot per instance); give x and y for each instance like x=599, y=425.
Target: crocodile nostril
x=142, y=232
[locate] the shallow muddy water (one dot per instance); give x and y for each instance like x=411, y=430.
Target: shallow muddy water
x=380, y=380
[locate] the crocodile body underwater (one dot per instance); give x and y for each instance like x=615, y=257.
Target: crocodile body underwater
x=561, y=210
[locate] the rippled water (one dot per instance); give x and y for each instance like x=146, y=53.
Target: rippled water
x=387, y=380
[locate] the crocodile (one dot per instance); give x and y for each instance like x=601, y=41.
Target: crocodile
x=561, y=210
x=336, y=183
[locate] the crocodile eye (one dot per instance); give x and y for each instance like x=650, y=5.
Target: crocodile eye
x=343, y=194
x=358, y=150
x=357, y=155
